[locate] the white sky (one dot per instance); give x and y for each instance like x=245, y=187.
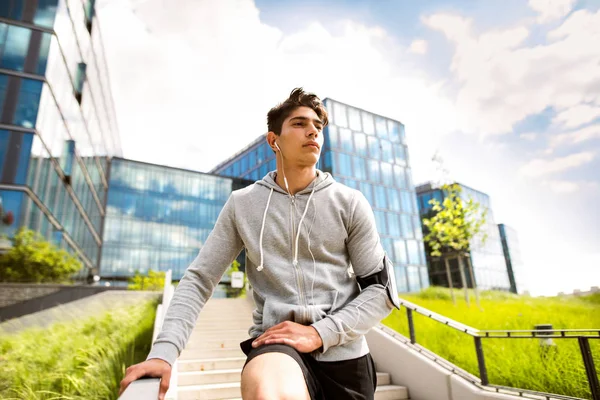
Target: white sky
x=192, y=85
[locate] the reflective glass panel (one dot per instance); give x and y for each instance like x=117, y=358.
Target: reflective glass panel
x=15, y=48
x=354, y=117
x=381, y=127
x=368, y=123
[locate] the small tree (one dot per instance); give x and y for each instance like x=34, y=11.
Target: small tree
x=154, y=281
x=231, y=291
x=33, y=259
x=450, y=229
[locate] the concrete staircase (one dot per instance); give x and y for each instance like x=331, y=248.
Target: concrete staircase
x=210, y=366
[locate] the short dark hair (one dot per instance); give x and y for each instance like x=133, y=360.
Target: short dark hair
x=298, y=98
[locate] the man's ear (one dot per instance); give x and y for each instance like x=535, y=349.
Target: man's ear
x=271, y=138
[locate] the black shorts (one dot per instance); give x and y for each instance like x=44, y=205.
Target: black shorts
x=347, y=379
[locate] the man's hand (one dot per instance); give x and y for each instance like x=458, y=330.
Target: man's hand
x=303, y=338
x=155, y=368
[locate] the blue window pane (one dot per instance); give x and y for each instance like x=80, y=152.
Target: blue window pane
x=360, y=169
x=414, y=282
x=394, y=199
x=11, y=203
x=272, y=164
x=264, y=170
x=414, y=255
x=402, y=134
x=386, y=151
x=381, y=127
x=386, y=173
x=3, y=85
x=393, y=225
x=24, y=155
x=374, y=171
x=236, y=168
x=399, y=177
x=244, y=166
x=327, y=161
x=252, y=159
x=332, y=134
x=401, y=283
x=344, y=164
x=352, y=183
x=339, y=112
x=360, y=144
x=44, y=49
x=346, y=140
x=12, y=9
x=367, y=190
x=260, y=154
x=45, y=13
x=381, y=222
x=388, y=247
x=4, y=137
x=354, y=119
x=380, y=197
x=15, y=48
x=368, y=123
x=400, y=154
x=27, y=106
x=407, y=203
x=424, y=277
x=374, y=149
x=393, y=130
x=417, y=227
x=400, y=251
x=406, y=226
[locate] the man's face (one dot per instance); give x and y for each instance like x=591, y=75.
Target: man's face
x=301, y=137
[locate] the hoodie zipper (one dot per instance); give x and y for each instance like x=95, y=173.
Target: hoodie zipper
x=299, y=279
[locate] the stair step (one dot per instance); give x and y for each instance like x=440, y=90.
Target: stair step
x=217, y=391
x=391, y=392
x=383, y=378
x=211, y=353
x=213, y=344
x=209, y=364
x=209, y=377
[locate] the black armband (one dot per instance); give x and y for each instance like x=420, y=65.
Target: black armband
x=386, y=278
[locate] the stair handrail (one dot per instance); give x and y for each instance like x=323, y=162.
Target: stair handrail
x=147, y=388
x=582, y=336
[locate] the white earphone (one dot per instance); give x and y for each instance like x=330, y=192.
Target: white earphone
x=276, y=145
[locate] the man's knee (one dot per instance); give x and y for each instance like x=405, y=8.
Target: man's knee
x=273, y=376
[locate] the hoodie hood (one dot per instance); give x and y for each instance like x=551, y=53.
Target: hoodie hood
x=323, y=180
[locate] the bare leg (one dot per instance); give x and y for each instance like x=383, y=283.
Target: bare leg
x=273, y=376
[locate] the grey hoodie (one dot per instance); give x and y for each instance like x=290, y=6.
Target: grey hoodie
x=302, y=252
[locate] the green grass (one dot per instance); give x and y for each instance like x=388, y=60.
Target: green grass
x=510, y=362
x=83, y=359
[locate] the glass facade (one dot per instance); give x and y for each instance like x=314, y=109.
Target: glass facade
x=512, y=256
x=487, y=259
x=159, y=217
x=57, y=125
x=367, y=152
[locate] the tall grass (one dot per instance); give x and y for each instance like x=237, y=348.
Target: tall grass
x=520, y=363
x=83, y=359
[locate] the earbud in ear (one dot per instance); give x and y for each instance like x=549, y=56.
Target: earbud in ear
x=276, y=145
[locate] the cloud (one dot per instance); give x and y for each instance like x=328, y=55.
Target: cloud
x=501, y=79
x=418, y=46
x=529, y=136
x=576, y=116
x=193, y=83
x=567, y=187
x=541, y=167
x=575, y=137
x=551, y=10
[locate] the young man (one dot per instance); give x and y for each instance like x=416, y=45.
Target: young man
x=319, y=275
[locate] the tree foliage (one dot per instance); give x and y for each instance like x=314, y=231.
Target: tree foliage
x=454, y=222
x=33, y=259
x=154, y=281
x=231, y=291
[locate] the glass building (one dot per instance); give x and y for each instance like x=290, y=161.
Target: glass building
x=57, y=123
x=512, y=256
x=487, y=259
x=367, y=152
x=158, y=217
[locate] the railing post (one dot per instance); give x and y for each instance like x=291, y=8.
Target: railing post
x=411, y=326
x=590, y=369
x=481, y=361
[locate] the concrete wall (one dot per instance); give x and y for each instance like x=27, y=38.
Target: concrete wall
x=18, y=299
x=424, y=378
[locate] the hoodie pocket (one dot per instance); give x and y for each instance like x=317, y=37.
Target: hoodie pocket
x=275, y=311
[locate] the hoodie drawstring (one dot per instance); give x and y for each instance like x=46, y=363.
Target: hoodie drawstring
x=262, y=231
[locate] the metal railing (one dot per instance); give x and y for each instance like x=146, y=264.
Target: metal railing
x=147, y=388
x=581, y=335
